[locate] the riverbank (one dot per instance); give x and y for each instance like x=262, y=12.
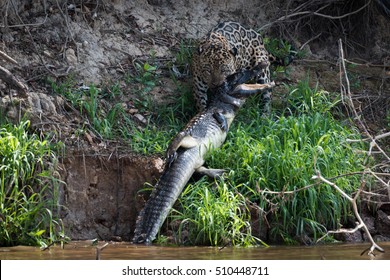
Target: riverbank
x=111, y=83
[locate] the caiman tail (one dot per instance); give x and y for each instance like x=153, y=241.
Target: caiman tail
x=164, y=195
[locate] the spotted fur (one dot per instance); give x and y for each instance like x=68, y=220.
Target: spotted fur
x=228, y=48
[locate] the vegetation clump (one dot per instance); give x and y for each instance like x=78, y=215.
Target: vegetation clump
x=271, y=163
x=28, y=189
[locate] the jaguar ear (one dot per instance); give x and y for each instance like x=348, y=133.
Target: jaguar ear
x=200, y=50
x=234, y=51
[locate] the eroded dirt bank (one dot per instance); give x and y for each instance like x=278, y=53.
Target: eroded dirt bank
x=98, y=42
x=100, y=194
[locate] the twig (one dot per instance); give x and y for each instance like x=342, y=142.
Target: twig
x=380, y=136
x=6, y=57
x=311, y=185
x=361, y=223
x=308, y=41
x=26, y=24
x=316, y=13
x=99, y=250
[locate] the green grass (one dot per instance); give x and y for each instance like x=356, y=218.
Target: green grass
x=28, y=189
x=143, y=81
x=104, y=119
x=106, y=116
x=213, y=214
x=276, y=154
x=280, y=156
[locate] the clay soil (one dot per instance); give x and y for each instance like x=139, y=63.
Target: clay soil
x=99, y=42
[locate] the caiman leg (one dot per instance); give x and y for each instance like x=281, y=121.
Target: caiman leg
x=242, y=90
x=266, y=94
x=221, y=120
x=212, y=173
x=181, y=140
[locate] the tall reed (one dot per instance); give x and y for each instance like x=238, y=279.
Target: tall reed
x=28, y=189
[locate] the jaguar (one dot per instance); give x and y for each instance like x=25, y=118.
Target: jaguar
x=226, y=49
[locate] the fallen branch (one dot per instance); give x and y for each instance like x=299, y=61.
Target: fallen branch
x=6, y=57
x=99, y=250
x=12, y=81
x=353, y=200
x=311, y=185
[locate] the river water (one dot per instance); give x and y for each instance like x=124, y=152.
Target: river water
x=84, y=250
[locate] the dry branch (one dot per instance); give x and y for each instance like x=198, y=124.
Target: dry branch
x=347, y=101
x=99, y=250
x=12, y=81
x=315, y=13
x=346, y=95
x=353, y=200
x=6, y=57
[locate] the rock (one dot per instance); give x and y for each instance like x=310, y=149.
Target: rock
x=370, y=223
x=116, y=238
x=141, y=118
x=12, y=113
x=41, y=103
x=383, y=223
x=156, y=2
x=47, y=104
x=381, y=238
x=34, y=102
x=353, y=237
x=71, y=57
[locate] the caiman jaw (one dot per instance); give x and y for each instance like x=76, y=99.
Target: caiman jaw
x=248, y=89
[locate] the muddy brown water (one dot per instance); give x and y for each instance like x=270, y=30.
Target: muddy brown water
x=125, y=251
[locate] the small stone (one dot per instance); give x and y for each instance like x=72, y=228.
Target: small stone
x=116, y=238
x=352, y=237
x=140, y=118
x=383, y=223
x=12, y=113
x=71, y=57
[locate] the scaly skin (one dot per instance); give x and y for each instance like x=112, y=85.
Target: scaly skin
x=186, y=153
x=171, y=184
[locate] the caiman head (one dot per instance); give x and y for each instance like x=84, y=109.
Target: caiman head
x=240, y=77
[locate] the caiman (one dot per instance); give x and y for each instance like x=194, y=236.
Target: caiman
x=186, y=152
